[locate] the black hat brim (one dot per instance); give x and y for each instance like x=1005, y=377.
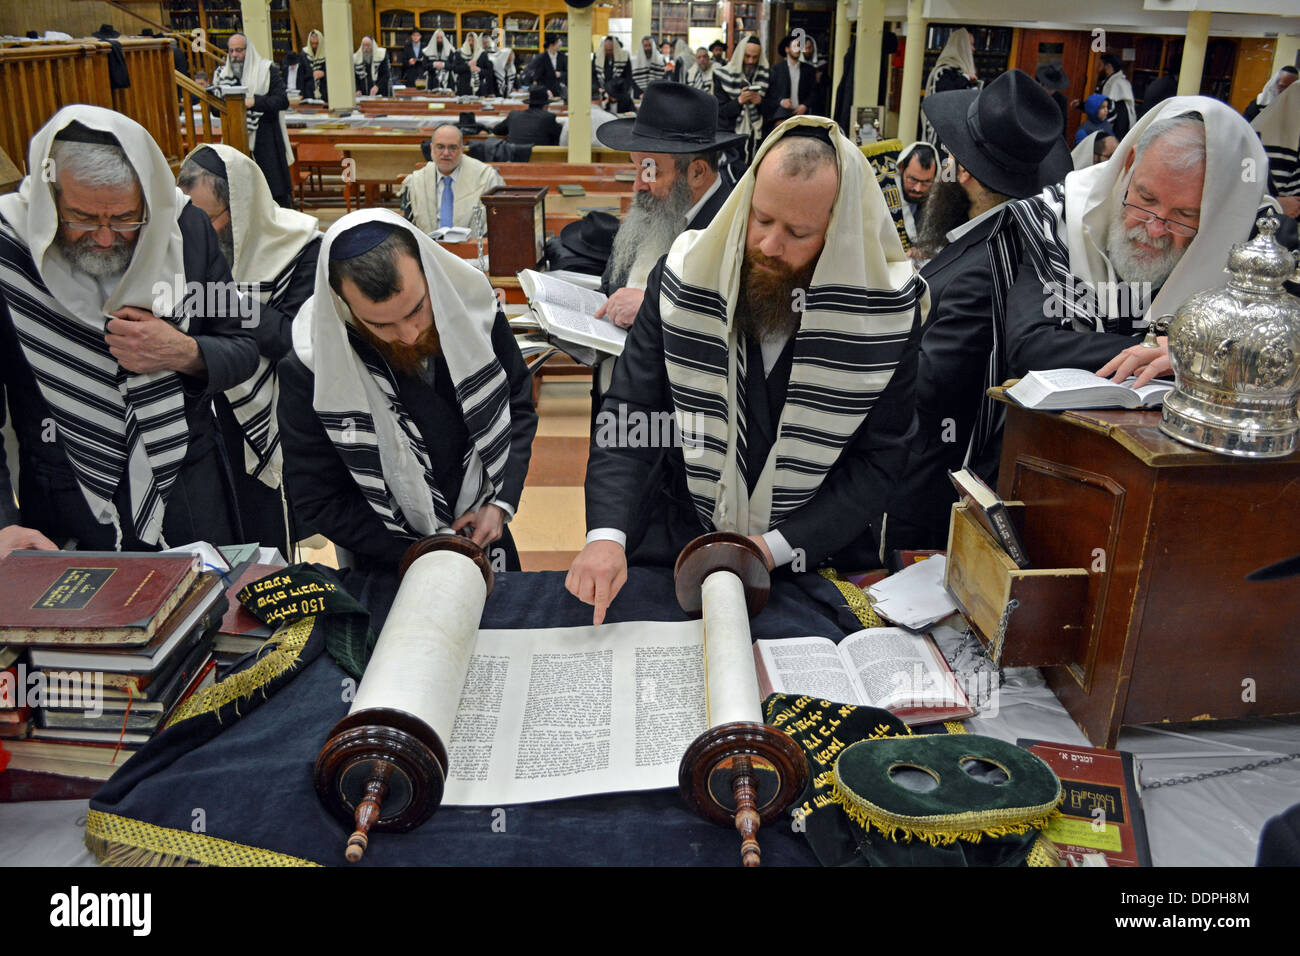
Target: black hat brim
x=622, y=134
x=571, y=239
x=947, y=114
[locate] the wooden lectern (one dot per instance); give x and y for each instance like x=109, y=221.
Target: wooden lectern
x=516, y=227
x=1137, y=604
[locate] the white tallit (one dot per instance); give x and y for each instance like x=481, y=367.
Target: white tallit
x=371, y=75
x=734, y=82
x=1082, y=154
x=257, y=80
x=268, y=239
x=359, y=405
x=1229, y=202
x=1279, y=130
x=1119, y=91
x=116, y=425
x=860, y=309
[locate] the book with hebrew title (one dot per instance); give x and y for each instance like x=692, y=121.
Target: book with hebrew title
x=988, y=508
x=567, y=312
x=1101, y=813
x=90, y=598
x=1058, y=389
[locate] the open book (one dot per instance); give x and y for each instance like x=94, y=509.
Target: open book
x=567, y=312
x=885, y=667
x=1062, y=388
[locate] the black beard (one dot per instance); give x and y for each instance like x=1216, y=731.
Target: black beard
x=226, y=240
x=764, y=310
x=946, y=207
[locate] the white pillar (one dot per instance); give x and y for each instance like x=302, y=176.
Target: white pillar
x=909, y=103
x=866, y=66
x=339, y=79
x=640, y=27
x=580, y=85
x=1198, y=36
x=255, y=21
x=840, y=47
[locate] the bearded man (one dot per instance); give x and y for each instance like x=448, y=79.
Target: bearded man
x=266, y=99
x=406, y=408
x=781, y=341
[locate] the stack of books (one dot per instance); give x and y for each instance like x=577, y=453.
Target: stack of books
x=113, y=642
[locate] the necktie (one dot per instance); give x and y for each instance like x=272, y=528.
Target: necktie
x=448, y=201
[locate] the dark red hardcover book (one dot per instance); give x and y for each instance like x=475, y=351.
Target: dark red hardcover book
x=70, y=597
x=1102, y=810
x=238, y=621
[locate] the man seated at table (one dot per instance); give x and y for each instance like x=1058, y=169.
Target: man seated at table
x=782, y=340
x=1119, y=244
x=446, y=191
x=108, y=363
x=536, y=126
x=406, y=408
x=370, y=67
x=272, y=253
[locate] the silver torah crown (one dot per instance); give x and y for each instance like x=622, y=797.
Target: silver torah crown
x=1236, y=356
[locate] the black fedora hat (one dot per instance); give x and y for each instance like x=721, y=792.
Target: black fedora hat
x=674, y=118
x=592, y=235
x=1007, y=135
x=1052, y=77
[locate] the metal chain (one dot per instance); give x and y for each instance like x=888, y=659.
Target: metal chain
x=1000, y=635
x=1198, y=777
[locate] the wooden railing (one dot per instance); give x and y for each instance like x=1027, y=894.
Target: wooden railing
x=38, y=78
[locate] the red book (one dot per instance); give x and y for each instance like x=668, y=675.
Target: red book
x=70, y=597
x=1102, y=810
x=237, y=620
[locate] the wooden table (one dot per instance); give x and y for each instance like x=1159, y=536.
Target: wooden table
x=1172, y=630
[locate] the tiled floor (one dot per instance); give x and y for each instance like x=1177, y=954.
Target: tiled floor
x=550, y=526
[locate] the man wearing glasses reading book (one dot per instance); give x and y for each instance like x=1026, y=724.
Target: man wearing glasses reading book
x=1117, y=245
x=108, y=369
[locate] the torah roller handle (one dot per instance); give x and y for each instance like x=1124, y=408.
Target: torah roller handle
x=740, y=772
x=384, y=767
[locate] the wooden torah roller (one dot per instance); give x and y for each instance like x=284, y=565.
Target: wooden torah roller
x=385, y=764
x=740, y=772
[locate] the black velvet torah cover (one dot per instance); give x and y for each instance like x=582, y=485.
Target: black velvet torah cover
x=242, y=775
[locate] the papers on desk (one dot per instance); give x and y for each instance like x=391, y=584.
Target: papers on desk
x=914, y=597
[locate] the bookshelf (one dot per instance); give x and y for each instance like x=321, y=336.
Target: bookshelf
x=517, y=26
x=221, y=19
x=992, y=48
x=674, y=19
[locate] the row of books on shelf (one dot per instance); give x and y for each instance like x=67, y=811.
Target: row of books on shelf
x=99, y=649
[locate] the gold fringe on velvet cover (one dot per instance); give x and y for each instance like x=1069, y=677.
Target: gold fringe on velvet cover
x=289, y=641
x=120, y=841
x=855, y=598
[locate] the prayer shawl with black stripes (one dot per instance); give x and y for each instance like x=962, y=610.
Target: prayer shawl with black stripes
x=114, y=425
x=268, y=240
x=647, y=68
x=734, y=82
x=1279, y=130
x=1063, y=231
x=256, y=78
x=357, y=398
x=859, y=312
x=368, y=72
x=315, y=61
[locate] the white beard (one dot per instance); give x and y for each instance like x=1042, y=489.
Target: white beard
x=1136, y=265
x=647, y=232
x=98, y=263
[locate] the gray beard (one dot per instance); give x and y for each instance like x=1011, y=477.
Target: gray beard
x=1129, y=264
x=647, y=232
x=237, y=69
x=95, y=262
x=226, y=239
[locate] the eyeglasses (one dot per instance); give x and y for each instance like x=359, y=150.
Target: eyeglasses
x=1146, y=216
x=121, y=228
x=911, y=182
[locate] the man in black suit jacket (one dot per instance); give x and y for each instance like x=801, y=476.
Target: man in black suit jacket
x=959, y=347
x=550, y=68
x=783, y=98
x=536, y=126
x=413, y=64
